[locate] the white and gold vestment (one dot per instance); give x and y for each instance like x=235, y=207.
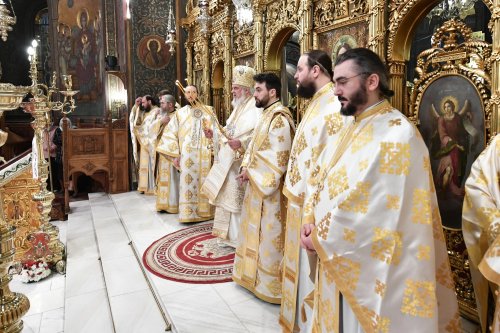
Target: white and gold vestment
x=147, y=158
x=167, y=176
x=316, y=132
x=260, y=246
x=481, y=229
x=135, y=118
x=378, y=234
x=184, y=138
x=221, y=186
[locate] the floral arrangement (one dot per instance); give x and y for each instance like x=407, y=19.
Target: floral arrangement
x=34, y=270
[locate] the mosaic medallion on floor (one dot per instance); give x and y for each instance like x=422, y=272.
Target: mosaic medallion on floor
x=190, y=255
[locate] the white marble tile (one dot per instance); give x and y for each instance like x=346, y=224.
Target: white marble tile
x=104, y=210
x=83, y=247
x=45, y=301
x=168, y=288
x=114, y=246
x=52, y=321
x=136, y=312
x=83, y=276
x=231, y=293
x=108, y=226
x=88, y=313
x=255, y=312
x=263, y=328
x=31, y=324
x=206, y=311
x=123, y=276
x=58, y=281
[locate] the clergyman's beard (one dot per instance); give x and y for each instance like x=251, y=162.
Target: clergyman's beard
x=147, y=108
x=306, y=90
x=359, y=98
x=237, y=102
x=262, y=103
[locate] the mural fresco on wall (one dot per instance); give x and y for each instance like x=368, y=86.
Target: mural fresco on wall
x=153, y=67
x=152, y=52
x=80, y=53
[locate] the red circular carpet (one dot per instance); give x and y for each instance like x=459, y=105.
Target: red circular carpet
x=190, y=255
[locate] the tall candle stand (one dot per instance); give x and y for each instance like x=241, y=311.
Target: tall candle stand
x=42, y=102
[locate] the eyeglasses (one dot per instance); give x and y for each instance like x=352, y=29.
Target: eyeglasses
x=343, y=80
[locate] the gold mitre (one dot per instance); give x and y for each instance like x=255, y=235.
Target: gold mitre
x=243, y=76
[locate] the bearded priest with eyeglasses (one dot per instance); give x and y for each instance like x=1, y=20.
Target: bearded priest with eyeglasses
x=372, y=218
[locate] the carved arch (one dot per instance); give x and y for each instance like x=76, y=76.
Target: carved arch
x=404, y=18
x=403, y=22
x=273, y=51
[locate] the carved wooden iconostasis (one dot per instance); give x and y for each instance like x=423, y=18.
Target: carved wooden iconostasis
x=431, y=73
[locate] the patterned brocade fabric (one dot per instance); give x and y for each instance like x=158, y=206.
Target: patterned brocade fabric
x=183, y=137
x=481, y=226
x=378, y=232
x=260, y=246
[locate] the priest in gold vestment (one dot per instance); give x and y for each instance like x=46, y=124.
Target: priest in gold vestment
x=373, y=219
x=147, y=140
x=185, y=145
x=135, y=118
x=481, y=229
x=316, y=132
x=167, y=176
x=221, y=185
x=260, y=245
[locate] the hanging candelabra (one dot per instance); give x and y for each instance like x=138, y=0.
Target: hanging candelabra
x=43, y=101
x=204, y=18
x=6, y=21
x=170, y=40
x=244, y=13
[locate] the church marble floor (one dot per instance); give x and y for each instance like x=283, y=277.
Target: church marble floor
x=105, y=290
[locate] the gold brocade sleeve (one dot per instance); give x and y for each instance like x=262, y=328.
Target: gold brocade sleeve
x=169, y=144
x=378, y=232
x=269, y=156
x=480, y=224
x=143, y=130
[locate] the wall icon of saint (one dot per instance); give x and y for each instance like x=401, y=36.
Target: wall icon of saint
x=152, y=52
x=452, y=123
x=85, y=56
x=450, y=144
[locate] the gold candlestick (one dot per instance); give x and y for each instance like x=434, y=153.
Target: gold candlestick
x=39, y=107
x=13, y=306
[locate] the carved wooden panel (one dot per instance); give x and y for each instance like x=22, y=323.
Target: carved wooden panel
x=84, y=142
x=119, y=183
x=20, y=210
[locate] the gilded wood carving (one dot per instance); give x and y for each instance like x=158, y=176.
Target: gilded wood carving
x=450, y=102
